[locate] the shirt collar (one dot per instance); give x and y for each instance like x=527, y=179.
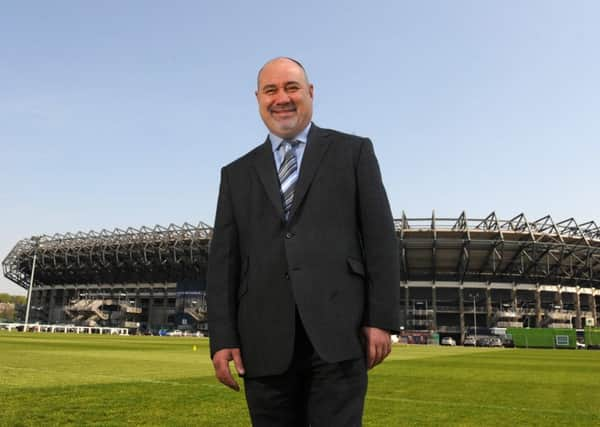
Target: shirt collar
x=302, y=137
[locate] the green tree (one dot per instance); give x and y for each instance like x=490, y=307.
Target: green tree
x=15, y=299
x=19, y=299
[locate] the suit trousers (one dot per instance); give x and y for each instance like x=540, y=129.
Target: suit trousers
x=311, y=392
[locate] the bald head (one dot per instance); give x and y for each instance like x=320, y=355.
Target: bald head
x=281, y=59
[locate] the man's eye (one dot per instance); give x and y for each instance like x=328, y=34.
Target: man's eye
x=270, y=91
x=292, y=88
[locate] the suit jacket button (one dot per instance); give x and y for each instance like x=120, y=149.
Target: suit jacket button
x=287, y=276
x=289, y=235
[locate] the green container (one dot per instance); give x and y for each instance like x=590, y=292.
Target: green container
x=592, y=337
x=543, y=337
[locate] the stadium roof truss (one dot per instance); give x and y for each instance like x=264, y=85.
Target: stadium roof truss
x=432, y=249
x=150, y=255
x=493, y=250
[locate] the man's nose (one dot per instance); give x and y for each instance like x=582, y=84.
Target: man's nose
x=282, y=98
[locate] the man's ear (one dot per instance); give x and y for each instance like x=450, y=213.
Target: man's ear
x=311, y=90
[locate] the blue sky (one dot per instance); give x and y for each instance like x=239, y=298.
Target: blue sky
x=118, y=114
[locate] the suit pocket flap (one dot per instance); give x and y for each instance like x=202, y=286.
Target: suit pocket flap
x=356, y=266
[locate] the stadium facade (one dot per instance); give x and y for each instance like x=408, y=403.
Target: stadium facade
x=144, y=279
x=457, y=274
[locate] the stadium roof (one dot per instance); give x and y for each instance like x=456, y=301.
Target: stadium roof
x=493, y=250
x=158, y=254
x=432, y=249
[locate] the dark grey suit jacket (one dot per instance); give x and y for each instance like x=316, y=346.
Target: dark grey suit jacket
x=335, y=259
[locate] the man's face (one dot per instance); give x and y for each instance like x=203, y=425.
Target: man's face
x=284, y=98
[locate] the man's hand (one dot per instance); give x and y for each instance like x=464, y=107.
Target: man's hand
x=378, y=345
x=221, y=361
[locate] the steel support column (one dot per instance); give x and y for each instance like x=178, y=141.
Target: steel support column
x=578, y=324
x=538, y=306
x=461, y=310
x=488, y=306
x=406, y=305
x=593, y=307
x=434, y=304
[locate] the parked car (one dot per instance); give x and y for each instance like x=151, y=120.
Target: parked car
x=483, y=342
x=494, y=342
x=448, y=341
x=470, y=341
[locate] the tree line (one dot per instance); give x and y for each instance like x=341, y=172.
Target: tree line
x=13, y=299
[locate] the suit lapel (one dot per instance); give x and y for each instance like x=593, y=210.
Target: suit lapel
x=315, y=149
x=265, y=167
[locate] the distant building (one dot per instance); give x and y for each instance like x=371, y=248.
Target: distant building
x=458, y=275
x=142, y=279
x=7, y=310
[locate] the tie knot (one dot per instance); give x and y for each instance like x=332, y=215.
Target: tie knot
x=288, y=144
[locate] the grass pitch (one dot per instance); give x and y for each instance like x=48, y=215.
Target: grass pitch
x=58, y=379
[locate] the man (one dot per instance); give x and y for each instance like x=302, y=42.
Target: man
x=303, y=281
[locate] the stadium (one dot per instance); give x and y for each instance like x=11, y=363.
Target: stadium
x=458, y=275
x=140, y=279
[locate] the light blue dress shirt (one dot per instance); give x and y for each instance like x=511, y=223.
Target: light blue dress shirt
x=278, y=151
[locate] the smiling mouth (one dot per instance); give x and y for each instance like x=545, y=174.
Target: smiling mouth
x=283, y=113
x=283, y=109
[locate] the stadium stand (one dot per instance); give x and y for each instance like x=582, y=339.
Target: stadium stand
x=456, y=273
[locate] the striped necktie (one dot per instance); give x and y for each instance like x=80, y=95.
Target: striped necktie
x=288, y=175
